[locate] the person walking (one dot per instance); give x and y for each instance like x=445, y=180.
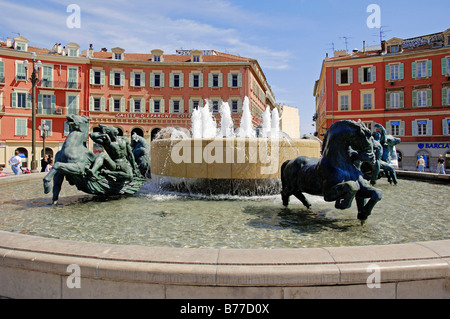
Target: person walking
x=15, y=162
x=421, y=164
x=440, y=169
x=44, y=162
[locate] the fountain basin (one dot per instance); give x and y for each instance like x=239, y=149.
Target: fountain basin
x=241, y=166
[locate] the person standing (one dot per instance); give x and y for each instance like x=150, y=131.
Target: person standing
x=420, y=164
x=44, y=163
x=15, y=162
x=440, y=165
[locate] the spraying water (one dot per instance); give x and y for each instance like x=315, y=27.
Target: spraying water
x=246, y=128
x=275, y=132
x=267, y=126
x=209, y=126
x=226, y=122
x=196, y=120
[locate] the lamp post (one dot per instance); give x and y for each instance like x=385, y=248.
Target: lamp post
x=34, y=79
x=44, y=132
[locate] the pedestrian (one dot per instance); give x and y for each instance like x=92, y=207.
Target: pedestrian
x=44, y=162
x=15, y=162
x=49, y=165
x=440, y=165
x=420, y=164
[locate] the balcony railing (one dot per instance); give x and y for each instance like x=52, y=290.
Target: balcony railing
x=57, y=110
x=59, y=85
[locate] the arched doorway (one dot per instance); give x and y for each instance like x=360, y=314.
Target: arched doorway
x=138, y=131
x=120, y=131
x=23, y=153
x=153, y=133
x=48, y=151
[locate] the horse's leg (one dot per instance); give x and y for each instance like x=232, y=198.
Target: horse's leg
x=343, y=193
x=302, y=198
x=374, y=195
x=57, y=183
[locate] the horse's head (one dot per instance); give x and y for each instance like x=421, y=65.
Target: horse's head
x=78, y=123
x=350, y=134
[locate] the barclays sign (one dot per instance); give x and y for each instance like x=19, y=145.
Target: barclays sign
x=434, y=145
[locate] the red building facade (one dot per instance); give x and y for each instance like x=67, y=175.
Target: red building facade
x=135, y=92
x=404, y=85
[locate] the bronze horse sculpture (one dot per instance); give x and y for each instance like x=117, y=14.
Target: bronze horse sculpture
x=335, y=175
x=74, y=162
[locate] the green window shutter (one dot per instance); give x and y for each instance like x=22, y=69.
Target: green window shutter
x=414, y=70
x=429, y=68
x=388, y=127
x=444, y=67
x=444, y=96
x=102, y=104
x=182, y=80
x=388, y=100
x=152, y=79
x=429, y=97
x=21, y=127
x=402, y=128
x=131, y=78
x=402, y=99
x=171, y=80
x=401, y=71
x=122, y=104
x=429, y=127
x=230, y=79
x=338, y=77
x=91, y=103
x=28, y=101
x=162, y=79
x=91, y=76
x=40, y=103
x=374, y=73
x=2, y=71
x=220, y=80
x=240, y=106
x=162, y=106
x=122, y=78
x=240, y=79
x=182, y=106
x=143, y=79
x=132, y=105
x=191, y=81
x=142, y=105
x=151, y=106
x=170, y=106
x=360, y=75
x=111, y=78
x=14, y=99
x=201, y=80
x=210, y=80
x=414, y=98
x=102, y=77
x=445, y=126
x=111, y=104
x=350, y=75
x=414, y=128
x=191, y=106
x=388, y=72
x=53, y=104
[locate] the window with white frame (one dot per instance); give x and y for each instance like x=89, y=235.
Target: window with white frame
x=367, y=101
x=49, y=124
x=234, y=80
x=21, y=74
x=47, y=76
x=156, y=106
x=72, y=78
x=97, y=104
x=422, y=98
x=446, y=126
x=421, y=69
x=215, y=80
x=344, y=102
x=422, y=128
x=72, y=104
x=234, y=106
x=117, y=78
x=20, y=100
x=344, y=76
x=394, y=71
x=20, y=127
x=137, y=105
x=176, y=79
x=367, y=74
x=116, y=105
x=395, y=128
x=215, y=106
x=395, y=100
x=97, y=77
x=2, y=71
x=195, y=80
x=157, y=79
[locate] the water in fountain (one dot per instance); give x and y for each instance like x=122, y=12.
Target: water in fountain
x=267, y=126
x=275, y=129
x=196, y=127
x=209, y=126
x=246, y=128
x=226, y=122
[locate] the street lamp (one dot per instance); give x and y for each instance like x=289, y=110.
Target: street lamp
x=44, y=133
x=34, y=79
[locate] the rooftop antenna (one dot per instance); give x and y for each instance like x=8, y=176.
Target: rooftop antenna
x=16, y=33
x=382, y=33
x=346, y=42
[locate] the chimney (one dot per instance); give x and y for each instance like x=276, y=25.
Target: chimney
x=8, y=42
x=104, y=50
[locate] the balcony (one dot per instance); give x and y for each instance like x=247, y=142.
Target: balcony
x=59, y=85
x=57, y=110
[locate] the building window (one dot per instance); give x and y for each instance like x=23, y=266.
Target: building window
x=421, y=128
x=20, y=100
x=97, y=104
x=46, y=104
x=195, y=80
x=196, y=58
x=2, y=72
x=116, y=105
x=176, y=80
x=367, y=74
x=215, y=80
x=445, y=66
x=21, y=127
x=117, y=78
x=137, y=106
x=157, y=79
x=72, y=104
x=395, y=128
x=344, y=76
x=157, y=58
x=394, y=100
x=344, y=100
x=393, y=49
x=117, y=56
x=215, y=106
x=446, y=126
x=421, y=69
x=72, y=78
x=234, y=106
x=156, y=106
x=97, y=77
x=195, y=104
x=234, y=79
x=367, y=101
x=422, y=98
x=73, y=52
x=394, y=71
x=21, y=74
x=176, y=106
x=137, y=79
x=47, y=76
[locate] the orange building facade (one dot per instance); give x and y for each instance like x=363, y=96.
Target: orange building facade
x=135, y=92
x=403, y=85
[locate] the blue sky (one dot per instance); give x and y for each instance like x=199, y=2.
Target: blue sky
x=289, y=38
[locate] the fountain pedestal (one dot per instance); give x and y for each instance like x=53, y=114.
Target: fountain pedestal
x=241, y=166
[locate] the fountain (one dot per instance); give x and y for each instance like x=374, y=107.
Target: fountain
x=223, y=161
x=161, y=243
